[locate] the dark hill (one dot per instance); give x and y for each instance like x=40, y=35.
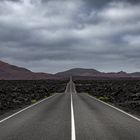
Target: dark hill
x=78, y=72
x=11, y=72
x=91, y=73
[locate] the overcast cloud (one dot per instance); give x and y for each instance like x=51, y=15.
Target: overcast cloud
x=55, y=35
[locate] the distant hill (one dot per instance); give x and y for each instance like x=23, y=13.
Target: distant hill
x=78, y=72
x=90, y=73
x=135, y=74
x=117, y=74
x=11, y=72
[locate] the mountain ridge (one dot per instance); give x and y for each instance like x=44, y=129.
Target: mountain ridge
x=90, y=72
x=12, y=72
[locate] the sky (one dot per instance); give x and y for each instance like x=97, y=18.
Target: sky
x=56, y=35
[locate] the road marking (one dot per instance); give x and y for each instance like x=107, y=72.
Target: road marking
x=115, y=108
x=73, y=136
x=26, y=108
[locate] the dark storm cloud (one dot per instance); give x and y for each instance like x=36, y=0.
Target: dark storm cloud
x=52, y=35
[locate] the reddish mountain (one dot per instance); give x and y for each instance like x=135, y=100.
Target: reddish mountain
x=78, y=72
x=11, y=72
x=90, y=73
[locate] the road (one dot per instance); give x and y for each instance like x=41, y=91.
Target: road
x=70, y=116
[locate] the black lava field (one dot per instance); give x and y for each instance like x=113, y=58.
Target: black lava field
x=124, y=94
x=17, y=94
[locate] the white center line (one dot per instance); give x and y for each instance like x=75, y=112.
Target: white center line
x=73, y=136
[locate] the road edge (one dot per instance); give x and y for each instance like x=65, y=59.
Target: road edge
x=118, y=109
x=38, y=102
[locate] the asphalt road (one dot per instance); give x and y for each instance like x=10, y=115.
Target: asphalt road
x=51, y=120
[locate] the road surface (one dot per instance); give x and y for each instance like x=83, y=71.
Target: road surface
x=70, y=116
